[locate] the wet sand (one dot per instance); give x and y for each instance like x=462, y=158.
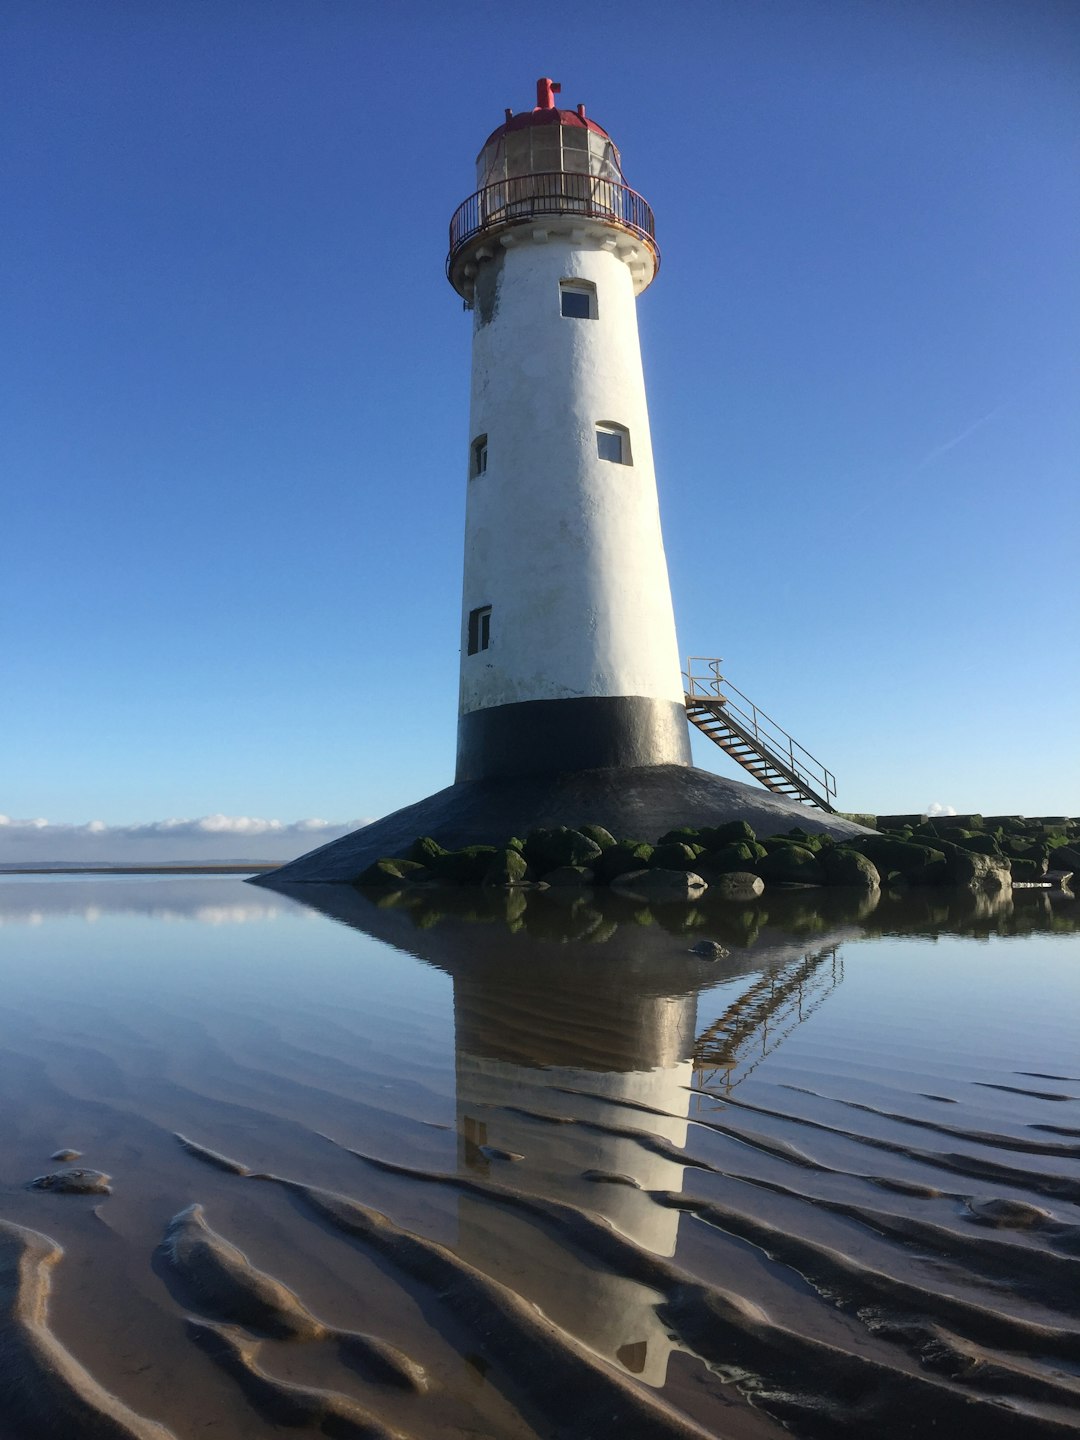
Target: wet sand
x=447, y=1168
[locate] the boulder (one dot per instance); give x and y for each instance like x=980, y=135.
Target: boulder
x=981, y=843
x=673, y=856
x=710, y=949
x=660, y=886
x=549, y=849
x=790, y=864
x=393, y=873
x=728, y=858
x=737, y=885
x=713, y=836
x=507, y=868
x=972, y=868
x=847, y=867
x=1067, y=857
x=918, y=864
x=569, y=875
x=620, y=859
x=1029, y=871
x=598, y=835
x=464, y=867
x=425, y=850
x=960, y=822
x=684, y=835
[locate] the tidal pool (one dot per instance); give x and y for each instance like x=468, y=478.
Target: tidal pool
x=471, y=1166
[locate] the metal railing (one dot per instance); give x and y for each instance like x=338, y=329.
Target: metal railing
x=772, y=739
x=555, y=192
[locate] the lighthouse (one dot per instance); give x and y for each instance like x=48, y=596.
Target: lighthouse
x=572, y=707
x=569, y=660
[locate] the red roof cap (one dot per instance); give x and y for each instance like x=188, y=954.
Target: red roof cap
x=546, y=114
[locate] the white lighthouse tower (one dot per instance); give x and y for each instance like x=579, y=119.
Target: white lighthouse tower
x=569, y=658
x=572, y=705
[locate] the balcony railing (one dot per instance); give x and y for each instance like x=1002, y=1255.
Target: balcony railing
x=556, y=192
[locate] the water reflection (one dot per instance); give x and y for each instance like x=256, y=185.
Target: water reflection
x=576, y=1065
x=766, y=1183
x=31, y=900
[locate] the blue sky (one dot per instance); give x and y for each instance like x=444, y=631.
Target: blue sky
x=235, y=382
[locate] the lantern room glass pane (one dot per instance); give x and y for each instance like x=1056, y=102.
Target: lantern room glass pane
x=517, y=152
x=546, y=151
x=491, y=165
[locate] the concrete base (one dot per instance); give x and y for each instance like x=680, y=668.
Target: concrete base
x=633, y=803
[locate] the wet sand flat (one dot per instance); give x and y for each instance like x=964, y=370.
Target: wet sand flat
x=447, y=1165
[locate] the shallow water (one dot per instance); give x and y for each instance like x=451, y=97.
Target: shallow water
x=586, y=1182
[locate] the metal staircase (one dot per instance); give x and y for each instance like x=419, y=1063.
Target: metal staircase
x=752, y=738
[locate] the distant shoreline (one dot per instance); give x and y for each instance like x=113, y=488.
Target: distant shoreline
x=138, y=869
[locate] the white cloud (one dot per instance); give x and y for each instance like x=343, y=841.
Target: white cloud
x=207, y=838
x=936, y=808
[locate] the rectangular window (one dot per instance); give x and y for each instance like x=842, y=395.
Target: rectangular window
x=613, y=443
x=479, y=629
x=478, y=457
x=578, y=299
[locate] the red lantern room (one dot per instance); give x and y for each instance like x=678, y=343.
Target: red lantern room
x=546, y=162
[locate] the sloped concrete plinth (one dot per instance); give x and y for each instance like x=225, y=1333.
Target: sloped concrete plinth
x=633, y=803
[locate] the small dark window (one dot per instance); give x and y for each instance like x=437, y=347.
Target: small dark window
x=578, y=299
x=479, y=629
x=478, y=457
x=613, y=443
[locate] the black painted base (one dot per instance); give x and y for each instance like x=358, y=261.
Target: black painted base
x=638, y=802
x=545, y=737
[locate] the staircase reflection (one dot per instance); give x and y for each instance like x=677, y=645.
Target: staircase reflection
x=761, y=1018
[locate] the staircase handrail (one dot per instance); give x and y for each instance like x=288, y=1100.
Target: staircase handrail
x=707, y=688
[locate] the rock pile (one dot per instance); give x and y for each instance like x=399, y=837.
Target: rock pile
x=730, y=859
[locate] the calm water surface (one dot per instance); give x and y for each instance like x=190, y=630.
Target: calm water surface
x=566, y=1177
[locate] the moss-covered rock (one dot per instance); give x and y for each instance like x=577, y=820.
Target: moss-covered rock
x=425, y=850
x=729, y=859
x=848, y=867
x=1067, y=857
x=627, y=855
x=790, y=864
x=391, y=873
x=960, y=822
x=598, y=835
x=684, y=835
x=549, y=849
x=917, y=864
x=980, y=843
x=507, y=867
x=736, y=885
x=569, y=875
x=464, y=867
x=1029, y=870
x=973, y=868
x=673, y=856
x=734, y=832
x=659, y=887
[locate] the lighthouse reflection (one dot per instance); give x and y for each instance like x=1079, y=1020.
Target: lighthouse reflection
x=577, y=1062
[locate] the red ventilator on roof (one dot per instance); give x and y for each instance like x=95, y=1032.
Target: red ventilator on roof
x=545, y=113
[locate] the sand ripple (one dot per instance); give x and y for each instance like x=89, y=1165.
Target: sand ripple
x=48, y=1391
